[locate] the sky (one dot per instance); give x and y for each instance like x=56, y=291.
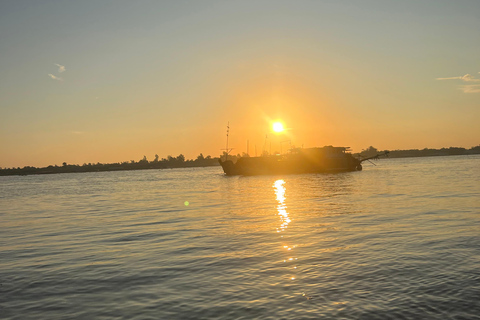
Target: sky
x=111, y=81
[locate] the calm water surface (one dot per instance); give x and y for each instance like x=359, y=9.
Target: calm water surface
x=400, y=240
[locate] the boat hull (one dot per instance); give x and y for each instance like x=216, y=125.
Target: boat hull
x=314, y=160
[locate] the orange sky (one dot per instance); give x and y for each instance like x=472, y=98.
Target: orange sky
x=110, y=82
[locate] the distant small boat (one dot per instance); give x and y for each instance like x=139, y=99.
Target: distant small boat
x=326, y=159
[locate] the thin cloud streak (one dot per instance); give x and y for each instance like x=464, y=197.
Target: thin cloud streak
x=472, y=88
x=466, y=78
x=55, y=77
x=451, y=78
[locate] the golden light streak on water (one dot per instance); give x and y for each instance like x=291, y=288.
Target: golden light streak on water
x=280, y=193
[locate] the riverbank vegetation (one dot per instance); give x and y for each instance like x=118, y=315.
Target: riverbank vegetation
x=208, y=161
x=452, y=151
x=142, y=164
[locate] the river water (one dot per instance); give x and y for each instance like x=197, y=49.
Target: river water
x=400, y=240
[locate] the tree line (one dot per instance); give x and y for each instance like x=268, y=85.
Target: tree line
x=426, y=152
x=157, y=163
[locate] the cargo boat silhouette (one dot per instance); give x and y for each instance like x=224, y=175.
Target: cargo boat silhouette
x=326, y=159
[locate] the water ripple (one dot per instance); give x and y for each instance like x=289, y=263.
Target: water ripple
x=386, y=243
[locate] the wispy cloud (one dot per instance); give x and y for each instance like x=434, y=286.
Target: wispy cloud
x=450, y=78
x=60, y=68
x=468, y=88
x=55, y=77
x=466, y=78
x=471, y=88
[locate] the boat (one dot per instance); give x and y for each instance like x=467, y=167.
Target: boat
x=326, y=159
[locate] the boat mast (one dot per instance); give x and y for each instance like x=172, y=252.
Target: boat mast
x=228, y=130
x=227, y=151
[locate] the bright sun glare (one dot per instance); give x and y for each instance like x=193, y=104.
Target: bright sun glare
x=278, y=127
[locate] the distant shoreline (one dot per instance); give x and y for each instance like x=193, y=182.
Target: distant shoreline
x=433, y=152
x=99, y=167
x=201, y=161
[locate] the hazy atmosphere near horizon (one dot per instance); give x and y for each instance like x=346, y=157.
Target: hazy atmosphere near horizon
x=111, y=81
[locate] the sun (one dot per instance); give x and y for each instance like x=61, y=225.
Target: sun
x=278, y=127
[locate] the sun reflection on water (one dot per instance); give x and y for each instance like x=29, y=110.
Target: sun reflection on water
x=280, y=192
x=279, y=186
